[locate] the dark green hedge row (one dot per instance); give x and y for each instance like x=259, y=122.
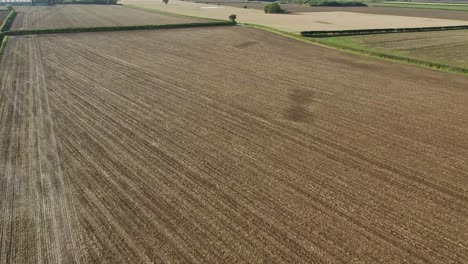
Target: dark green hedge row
x=336, y=33
x=8, y=22
x=337, y=3
x=122, y=28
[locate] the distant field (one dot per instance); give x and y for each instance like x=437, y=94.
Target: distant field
x=444, y=47
x=3, y=15
x=410, y=12
x=442, y=6
x=220, y=145
x=65, y=16
x=295, y=22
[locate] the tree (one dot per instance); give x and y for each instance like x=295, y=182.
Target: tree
x=233, y=18
x=165, y=1
x=273, y=8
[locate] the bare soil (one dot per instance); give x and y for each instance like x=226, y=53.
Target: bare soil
x=220, y=145
x=69, y=16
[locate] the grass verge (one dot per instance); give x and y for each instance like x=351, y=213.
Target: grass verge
x=356, y=49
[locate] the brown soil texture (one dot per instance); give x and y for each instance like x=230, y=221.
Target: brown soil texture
x=446, y=47
x=69, y=16
x=220, y=145
x=411, y=12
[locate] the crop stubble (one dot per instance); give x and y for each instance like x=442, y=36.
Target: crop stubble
x=68, y=16
x=220, y=145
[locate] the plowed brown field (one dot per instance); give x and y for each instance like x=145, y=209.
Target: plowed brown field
x=69, y=16
x=220, y=145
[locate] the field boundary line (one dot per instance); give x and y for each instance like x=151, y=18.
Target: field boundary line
x=355, y=32
x=119, y=28
x=153, y=10
x=363, y=52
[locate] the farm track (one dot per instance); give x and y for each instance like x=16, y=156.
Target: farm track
x=219, y=145
x=69, y=16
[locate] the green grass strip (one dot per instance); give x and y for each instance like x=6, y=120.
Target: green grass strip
x=8, y=22
x=359, y=51
x=121, y=28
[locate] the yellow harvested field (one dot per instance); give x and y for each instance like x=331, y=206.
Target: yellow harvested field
x=298, y=21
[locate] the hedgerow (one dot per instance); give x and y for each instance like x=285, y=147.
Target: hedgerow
x=335, y=33
x=336, y=3
x=121, y=28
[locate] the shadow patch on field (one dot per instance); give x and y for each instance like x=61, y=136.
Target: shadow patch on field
x=360, y=64
x=297, y=111
x=323, y=22
x=246, y=44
